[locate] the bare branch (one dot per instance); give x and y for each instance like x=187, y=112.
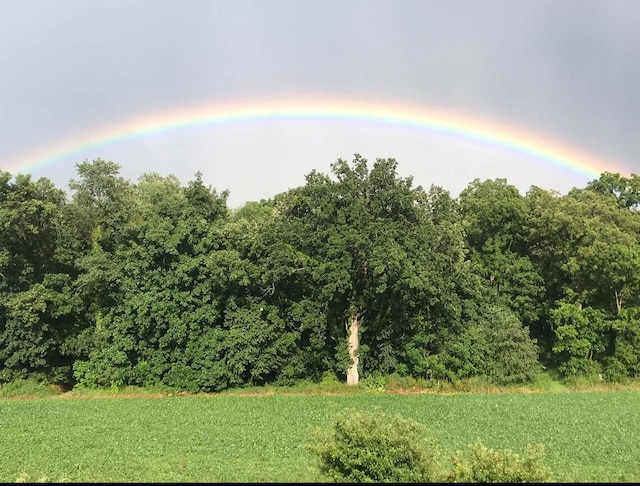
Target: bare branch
x=270, y=290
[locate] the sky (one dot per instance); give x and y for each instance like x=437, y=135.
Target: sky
x=76, y=76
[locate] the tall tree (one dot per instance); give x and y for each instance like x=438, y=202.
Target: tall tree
x=495, y=217
x=364, y=246
x=587, y=244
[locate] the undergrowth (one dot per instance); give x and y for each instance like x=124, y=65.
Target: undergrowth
x=330, y=384
x=27, y=389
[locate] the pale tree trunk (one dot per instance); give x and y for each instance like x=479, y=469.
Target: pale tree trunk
x=353, y=344
x=618, y=301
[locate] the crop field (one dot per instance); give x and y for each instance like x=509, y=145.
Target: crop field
x=588, y=436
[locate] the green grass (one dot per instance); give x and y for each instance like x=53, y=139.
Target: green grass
x=26, y=389
x=588, y=436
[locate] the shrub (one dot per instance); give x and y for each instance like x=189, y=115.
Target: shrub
x=375, y=382
x=26, y=388
x=396, y=381
x=614, y=370
x=512, y=356
x=494, y=345
x=489, y=466
x=374, y=447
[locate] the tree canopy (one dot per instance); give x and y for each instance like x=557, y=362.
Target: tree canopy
x=356, y=272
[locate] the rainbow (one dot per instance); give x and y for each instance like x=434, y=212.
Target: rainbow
x=464, y=126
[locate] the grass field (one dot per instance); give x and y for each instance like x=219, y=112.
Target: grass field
x=588, y=436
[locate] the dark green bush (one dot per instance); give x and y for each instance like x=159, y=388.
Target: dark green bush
x=614, y=370
x=374, y=447
x=512, y=356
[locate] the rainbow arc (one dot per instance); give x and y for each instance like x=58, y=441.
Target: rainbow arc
x=464, y=126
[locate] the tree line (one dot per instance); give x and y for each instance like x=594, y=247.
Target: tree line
x=357, y=272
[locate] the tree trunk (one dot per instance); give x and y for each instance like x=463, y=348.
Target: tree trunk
x=354, y=344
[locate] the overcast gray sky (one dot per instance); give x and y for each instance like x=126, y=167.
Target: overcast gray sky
x=564, y=69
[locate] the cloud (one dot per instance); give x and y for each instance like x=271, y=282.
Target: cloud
x=566, y=69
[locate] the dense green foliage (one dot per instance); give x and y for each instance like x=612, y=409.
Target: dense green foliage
x=373, y=447
x=587, y=436
x=155, y=283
